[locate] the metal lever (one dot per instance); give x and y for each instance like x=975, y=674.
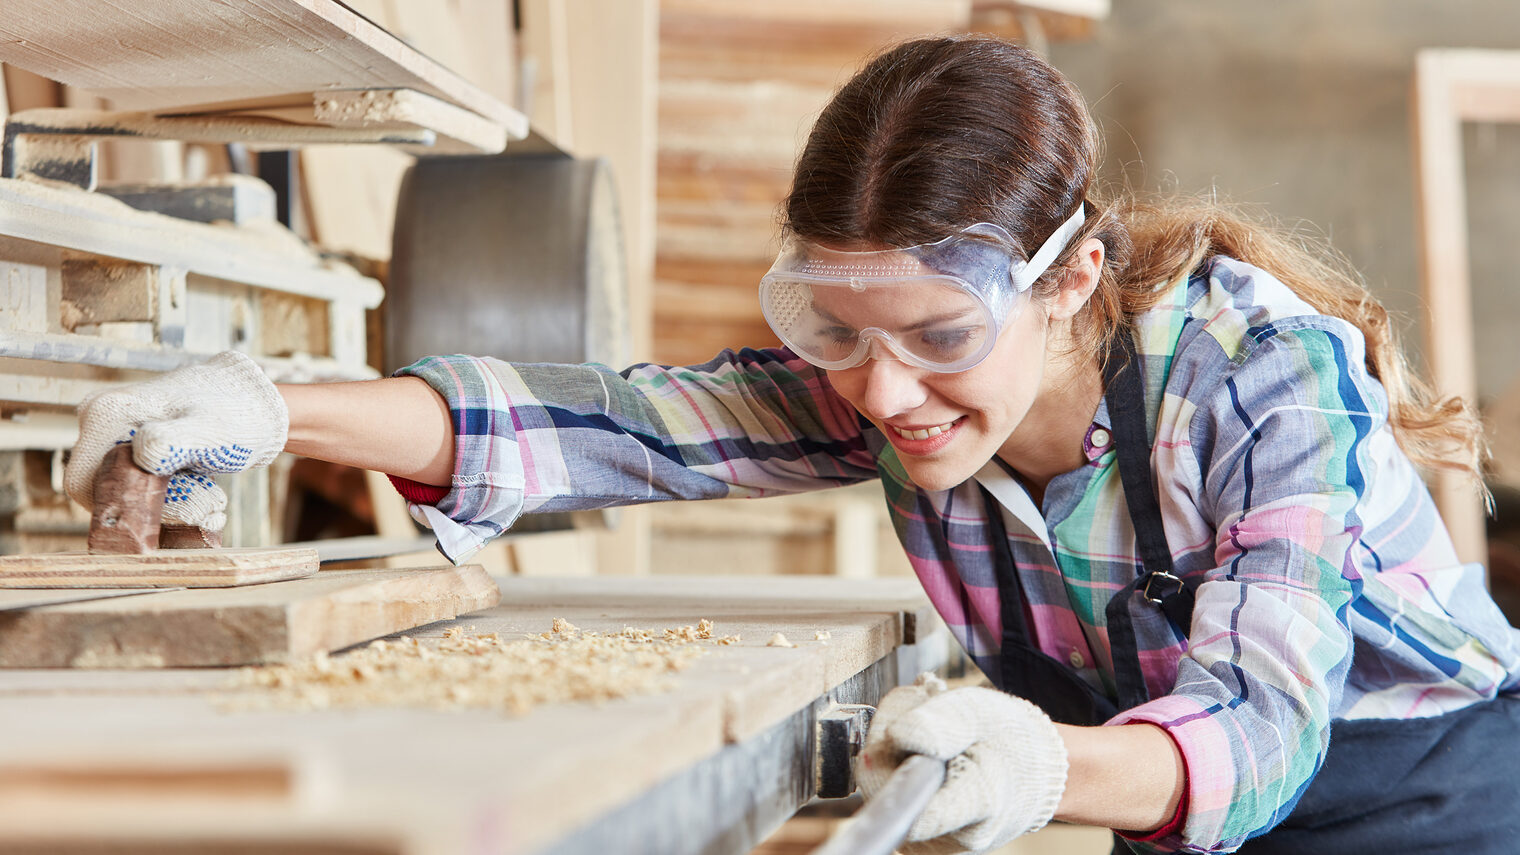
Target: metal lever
x=877, y=828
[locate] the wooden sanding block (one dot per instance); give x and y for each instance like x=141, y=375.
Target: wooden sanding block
x=129, y=548
x=129, y=509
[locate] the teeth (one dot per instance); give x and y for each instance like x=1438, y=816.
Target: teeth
x=923, y=434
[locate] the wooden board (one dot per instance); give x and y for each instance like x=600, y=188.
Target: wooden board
x=277, y=622
x=448, y=781
x=160, y=568
x=1451, y=86
x=177, y=53
x=265, y=258
x=30, y=598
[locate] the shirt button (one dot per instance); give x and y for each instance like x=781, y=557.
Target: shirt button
x=1099, y=438
x=1076, y=659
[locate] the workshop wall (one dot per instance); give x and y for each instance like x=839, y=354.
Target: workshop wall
x=1302, y=107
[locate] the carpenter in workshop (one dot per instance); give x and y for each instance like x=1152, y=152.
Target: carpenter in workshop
x=1155, y=465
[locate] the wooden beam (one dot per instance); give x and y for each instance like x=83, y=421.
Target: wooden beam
x=1452, y=86
x=170, y=53
x=279, y=622
x=85, y=222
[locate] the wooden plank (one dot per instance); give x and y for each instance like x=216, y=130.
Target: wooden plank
x=434, y=780
x=458, y=131
x=161, y=568
x=1449, y=86
x=39, y=430
x=24, y=303
x=277, y=622
x=176, y=53
x=264, y=258
x=21, y=598
x=807, y=597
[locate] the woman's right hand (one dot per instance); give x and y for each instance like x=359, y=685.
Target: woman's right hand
x=219, y=416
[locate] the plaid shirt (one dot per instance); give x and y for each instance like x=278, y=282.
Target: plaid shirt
x=1281, y=488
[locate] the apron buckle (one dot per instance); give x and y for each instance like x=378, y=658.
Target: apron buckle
x=1164, y=596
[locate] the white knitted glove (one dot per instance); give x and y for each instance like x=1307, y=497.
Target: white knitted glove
x=222, y=415
x=1005, y=763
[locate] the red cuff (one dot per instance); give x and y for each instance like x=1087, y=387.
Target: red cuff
x=1173, y=825
x=417, y=492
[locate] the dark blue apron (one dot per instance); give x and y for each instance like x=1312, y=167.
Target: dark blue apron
x=1447, y=784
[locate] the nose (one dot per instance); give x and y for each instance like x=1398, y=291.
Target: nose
x=889, y=387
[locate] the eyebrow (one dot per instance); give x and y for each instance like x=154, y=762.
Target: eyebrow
x=918, y=325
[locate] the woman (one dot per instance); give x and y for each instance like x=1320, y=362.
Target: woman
x=1155, y=467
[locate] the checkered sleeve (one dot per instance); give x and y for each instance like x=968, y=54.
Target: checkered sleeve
x=1279, y=447
x=549, y=437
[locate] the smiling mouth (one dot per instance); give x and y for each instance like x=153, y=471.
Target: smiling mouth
x=923, y=433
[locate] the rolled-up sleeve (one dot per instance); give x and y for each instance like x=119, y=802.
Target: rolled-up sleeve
x=551, y=437
x=1280, y=449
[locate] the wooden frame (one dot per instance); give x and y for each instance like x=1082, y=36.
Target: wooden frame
x=1452, y=86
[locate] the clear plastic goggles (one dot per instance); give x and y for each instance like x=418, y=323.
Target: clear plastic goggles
x=938, y=306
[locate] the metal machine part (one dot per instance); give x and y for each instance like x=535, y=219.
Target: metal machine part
x=841, y=736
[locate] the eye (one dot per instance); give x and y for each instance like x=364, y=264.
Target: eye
x=951, y=340
x=838, y=333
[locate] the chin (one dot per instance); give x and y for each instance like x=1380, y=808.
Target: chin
x=936, y=478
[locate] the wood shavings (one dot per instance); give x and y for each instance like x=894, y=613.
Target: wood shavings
x=822, y=635
x=779, y=640
x=480, y=670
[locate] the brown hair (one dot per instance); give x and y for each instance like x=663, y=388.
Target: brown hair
x=936, y=134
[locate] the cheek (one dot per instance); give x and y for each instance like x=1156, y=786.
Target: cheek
x=846, y=383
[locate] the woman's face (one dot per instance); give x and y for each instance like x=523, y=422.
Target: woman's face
x=945, y=427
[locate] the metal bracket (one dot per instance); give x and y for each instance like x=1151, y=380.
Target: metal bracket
x=841, y=736
x=59, y=144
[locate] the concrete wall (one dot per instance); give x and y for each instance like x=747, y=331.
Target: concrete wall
x=1302, y=106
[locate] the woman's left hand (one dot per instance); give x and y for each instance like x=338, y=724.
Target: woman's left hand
x=1005, y=763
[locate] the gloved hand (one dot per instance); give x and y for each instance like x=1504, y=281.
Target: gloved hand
x=1005, y=769
x=222, y=415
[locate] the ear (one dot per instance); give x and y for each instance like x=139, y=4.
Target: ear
x=1079, y=280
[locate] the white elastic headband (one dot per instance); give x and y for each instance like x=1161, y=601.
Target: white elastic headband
x=1024, y=273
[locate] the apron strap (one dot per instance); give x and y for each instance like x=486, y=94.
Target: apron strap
x=1157, y=583
x=1023, y=669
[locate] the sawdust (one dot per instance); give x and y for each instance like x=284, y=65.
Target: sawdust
x=480, y=671
x=367, y=107
x=779, y=640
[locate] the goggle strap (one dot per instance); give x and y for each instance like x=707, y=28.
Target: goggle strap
x=1024, y=275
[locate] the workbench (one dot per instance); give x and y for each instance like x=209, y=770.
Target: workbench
x=139, y=761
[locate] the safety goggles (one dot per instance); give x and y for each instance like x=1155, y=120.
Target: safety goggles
x=938, y=306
